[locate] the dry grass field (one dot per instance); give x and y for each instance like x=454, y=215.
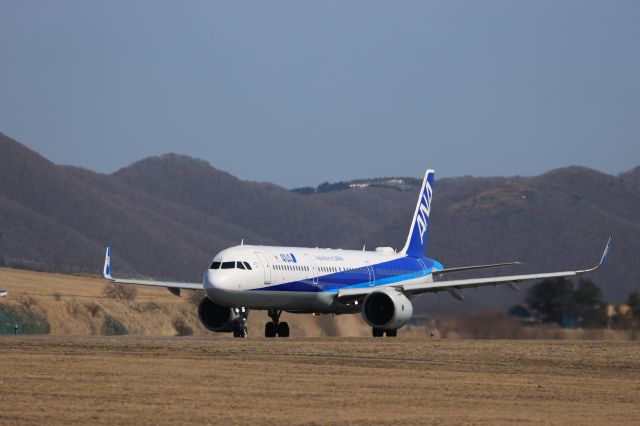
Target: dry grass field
x=136, y=380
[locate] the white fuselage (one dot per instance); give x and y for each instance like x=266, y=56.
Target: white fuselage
x=299, y=279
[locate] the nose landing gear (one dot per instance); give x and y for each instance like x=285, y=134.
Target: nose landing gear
x=241, y=329
x=275, y=327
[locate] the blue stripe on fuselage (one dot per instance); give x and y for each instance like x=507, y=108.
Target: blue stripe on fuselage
x=390, y=272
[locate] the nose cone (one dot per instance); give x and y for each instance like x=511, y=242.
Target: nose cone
x=218, y=286
x=215, y=280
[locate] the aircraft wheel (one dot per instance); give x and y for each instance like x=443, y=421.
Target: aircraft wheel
x=377, y=332
x=283, y=329
x=241, y=331
x=392, y=333
x=269, y=329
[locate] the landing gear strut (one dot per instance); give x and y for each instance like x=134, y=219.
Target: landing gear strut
x=274, y=327
x=241, y=328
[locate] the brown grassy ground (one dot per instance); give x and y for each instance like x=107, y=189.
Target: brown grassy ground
x=60, y=380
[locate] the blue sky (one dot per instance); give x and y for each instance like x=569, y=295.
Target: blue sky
x=301, y=92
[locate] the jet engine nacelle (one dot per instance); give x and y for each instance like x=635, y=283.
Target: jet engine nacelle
x=215, y=317
x=387, y=309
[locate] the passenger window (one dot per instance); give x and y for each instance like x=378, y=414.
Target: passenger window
x=215, y=265
x=228, y=265
x=240, y=265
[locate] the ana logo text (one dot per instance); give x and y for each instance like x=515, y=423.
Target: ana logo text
x=424, y=210
x=288, y=257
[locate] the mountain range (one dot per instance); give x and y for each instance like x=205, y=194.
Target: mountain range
x=166, y=217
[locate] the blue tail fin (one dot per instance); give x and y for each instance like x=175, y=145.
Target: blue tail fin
x=106, y=272
x=416, y=244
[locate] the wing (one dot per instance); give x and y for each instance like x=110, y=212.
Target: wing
x=174, y=287
x=454, y=286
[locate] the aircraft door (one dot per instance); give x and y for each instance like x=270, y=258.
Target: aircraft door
x=372, y=276
x=266, y=267
x=314, y=268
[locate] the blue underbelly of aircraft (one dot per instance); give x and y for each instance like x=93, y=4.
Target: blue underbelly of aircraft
x=331, y=284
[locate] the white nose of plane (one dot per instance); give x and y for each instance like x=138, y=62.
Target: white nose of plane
x=217, y=280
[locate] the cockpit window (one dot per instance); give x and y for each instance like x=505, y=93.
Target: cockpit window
x=228, y=265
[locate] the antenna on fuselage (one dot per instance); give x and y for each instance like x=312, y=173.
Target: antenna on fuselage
x=363, y=247
x=241, y=242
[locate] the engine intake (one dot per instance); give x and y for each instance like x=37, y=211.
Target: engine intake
x=387, y=309
x=215, y=317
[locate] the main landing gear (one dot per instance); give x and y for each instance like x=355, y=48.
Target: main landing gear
x=241, y=328
x=378, y=332
x=274, y=327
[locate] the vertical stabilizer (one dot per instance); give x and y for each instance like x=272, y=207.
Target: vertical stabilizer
x=106, y=272
x=416, y=244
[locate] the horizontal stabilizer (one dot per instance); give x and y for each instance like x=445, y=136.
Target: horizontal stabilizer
x=472, y=268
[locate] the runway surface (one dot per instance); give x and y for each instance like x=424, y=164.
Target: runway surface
x=61, y=380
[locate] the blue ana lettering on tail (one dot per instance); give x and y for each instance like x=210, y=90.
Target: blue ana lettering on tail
x=425, y=211
x=416, y=244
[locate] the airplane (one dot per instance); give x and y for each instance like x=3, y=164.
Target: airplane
x=381, y=285
x=3, y=293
